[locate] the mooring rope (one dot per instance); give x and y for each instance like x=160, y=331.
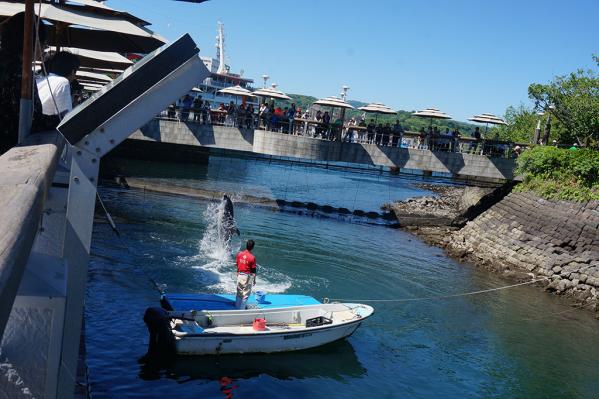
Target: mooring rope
x=428, y=298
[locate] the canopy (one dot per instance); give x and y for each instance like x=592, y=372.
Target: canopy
x=431, y=113
x=333, y=102
x=102, y=70
x=236, y=91
x=108, y=33
x=85, y=75
x=103, y=40
x=377, y=108
x=98, y=59
x=487, y=118
x=93, y=6
x=271, y=93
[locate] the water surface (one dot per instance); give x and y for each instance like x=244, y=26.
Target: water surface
x=520, y=342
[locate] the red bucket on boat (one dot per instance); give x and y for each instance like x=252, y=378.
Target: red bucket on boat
x=259, y=324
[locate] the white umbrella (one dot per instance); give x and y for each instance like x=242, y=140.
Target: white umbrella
x=334, y=102
x=486, y=119
x=377, y=108
x=236, y=91
x=271, y=93
x=431, y=113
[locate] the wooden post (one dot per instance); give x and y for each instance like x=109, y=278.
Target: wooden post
x=26, y=103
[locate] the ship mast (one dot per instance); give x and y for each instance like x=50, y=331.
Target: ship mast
x=220, y=49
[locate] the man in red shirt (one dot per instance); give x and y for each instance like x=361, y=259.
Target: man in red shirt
x=246, y=274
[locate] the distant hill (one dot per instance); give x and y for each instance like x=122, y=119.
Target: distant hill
x=407, y=120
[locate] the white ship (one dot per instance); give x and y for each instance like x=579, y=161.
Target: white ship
x=221, y=77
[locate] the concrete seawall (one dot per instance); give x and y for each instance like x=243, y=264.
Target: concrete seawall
x=302, y=147
x=526, y=234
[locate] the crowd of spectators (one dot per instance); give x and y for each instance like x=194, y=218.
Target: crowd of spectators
x=321, y=124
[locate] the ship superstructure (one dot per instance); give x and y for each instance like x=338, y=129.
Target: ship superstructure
x=221, y=76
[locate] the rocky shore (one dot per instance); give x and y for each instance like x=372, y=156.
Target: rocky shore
x=518, y=235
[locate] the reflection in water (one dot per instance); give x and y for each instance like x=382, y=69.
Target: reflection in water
x=227, y=386
x=337, y=360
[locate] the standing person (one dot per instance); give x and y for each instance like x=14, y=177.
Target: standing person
x=263, y=114
x=474, y=146
x=246, y=274
x=291, y=117
x=186, y=103
x=370, y=129
x=249, y=117
x=55, y=89
x=455, y=140
x=397, y=134
x=196, y=107
x=206, y=113
x=326, y=122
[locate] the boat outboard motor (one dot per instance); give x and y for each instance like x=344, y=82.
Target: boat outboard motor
x=162, y=340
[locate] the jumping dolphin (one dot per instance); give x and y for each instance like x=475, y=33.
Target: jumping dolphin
x=227, y=225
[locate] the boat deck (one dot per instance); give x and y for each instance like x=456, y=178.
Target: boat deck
x=186, y=302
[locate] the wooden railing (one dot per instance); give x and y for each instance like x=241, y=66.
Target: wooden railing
x=26, y=174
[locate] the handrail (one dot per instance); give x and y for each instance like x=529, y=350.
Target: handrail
x=347, y=133
x=26, y=175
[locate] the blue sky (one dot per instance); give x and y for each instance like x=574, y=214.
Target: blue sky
x=463, y=57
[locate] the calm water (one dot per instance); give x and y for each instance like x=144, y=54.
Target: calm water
x=289, y=181
x=514, y=343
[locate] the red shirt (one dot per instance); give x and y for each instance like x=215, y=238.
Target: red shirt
x=246, y=262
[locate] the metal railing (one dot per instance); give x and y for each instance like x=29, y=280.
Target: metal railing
x=344, y=133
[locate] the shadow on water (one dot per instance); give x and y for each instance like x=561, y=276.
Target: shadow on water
x=336, y=360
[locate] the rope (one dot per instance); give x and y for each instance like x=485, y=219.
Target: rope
x=428, y=298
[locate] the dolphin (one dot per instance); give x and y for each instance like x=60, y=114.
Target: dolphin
x=227, y=225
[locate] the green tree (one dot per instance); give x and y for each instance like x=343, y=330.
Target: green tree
x=521, y=124
x=574, y=101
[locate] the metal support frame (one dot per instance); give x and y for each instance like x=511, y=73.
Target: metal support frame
x=84, y=166
x=56, y=274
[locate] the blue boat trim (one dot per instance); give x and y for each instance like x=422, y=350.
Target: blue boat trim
x=186, y=302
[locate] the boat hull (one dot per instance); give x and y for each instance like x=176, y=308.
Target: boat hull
x=208, y=344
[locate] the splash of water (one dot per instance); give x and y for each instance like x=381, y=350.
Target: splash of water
x=213, y=245
x=219, y=273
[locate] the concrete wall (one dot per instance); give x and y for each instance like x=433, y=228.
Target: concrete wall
x=278, y=144
x=194, y=134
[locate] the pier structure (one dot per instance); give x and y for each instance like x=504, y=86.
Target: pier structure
x=257, y=141
x=47, y=204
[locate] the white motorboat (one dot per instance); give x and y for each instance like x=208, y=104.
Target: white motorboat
x=264, y=330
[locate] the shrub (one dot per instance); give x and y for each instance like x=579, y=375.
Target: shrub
x=556, y=173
